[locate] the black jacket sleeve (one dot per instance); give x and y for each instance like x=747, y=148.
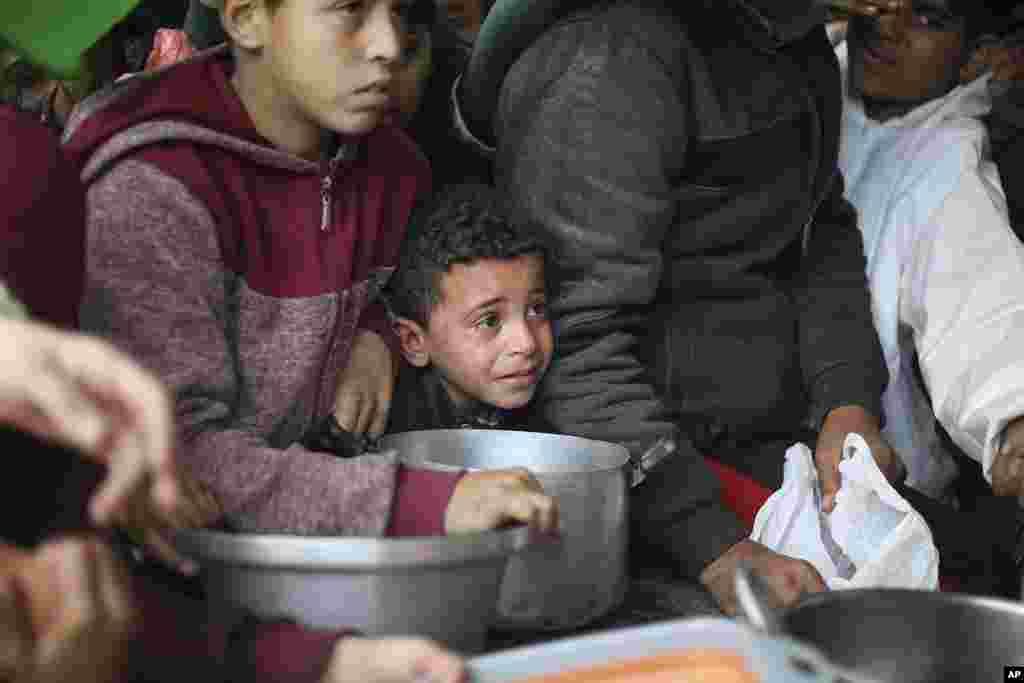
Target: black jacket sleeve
x=592, y=132
x=841, y=356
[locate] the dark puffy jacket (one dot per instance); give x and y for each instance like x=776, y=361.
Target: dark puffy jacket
x=686, y=154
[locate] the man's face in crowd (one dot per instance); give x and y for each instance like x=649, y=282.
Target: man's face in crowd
x=909, y=55
x=335, y=61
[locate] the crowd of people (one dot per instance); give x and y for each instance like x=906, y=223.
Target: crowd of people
x=243, y=239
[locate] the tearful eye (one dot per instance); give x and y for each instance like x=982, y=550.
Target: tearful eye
x=347, y=6
x=488, y=322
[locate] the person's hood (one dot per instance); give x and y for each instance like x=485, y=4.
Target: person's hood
x=784, y=21
x=149, y=108
x=971, y=100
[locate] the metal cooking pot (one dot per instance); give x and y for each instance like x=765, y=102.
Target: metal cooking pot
x=558, y=585
x=440, y=587
x=909, y=636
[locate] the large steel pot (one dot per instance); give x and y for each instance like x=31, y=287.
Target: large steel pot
x=559, y=585
x=911, y=636
x=441, y=587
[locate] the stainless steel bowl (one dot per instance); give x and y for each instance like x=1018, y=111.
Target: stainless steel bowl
x=909, y=636
x=444, y=588
x=551, y=586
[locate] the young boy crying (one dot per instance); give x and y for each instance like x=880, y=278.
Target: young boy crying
x=469, y=305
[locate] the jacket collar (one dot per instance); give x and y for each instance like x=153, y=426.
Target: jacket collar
x=780, y=22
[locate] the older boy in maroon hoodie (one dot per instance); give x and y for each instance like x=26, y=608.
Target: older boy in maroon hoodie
x=99, y=623
x=243, y=211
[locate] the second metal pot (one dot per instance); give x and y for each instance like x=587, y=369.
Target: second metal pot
x=907, y=636
x=558, y=585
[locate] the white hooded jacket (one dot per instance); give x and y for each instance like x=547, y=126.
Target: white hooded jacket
x=946, y=275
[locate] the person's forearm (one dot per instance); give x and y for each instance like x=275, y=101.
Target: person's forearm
x=963, y=295
x=679, y=509
x=840, y=352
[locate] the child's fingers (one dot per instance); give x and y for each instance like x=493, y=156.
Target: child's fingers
x=367, y=409
x=523, y=507
x=519, y=477
x=379, y=419
x=346, y=412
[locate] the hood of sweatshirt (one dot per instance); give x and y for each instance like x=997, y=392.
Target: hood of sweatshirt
x=148, y=108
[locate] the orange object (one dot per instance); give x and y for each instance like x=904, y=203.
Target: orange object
x=696, y=665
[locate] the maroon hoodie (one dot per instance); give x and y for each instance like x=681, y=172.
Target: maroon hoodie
x=42, y=220
x=240, y=274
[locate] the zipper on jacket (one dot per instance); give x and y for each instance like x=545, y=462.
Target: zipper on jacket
x=327, y=194
x=325, y=202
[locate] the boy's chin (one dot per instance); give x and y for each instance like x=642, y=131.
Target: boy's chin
x=356, y=123
x=514, y=402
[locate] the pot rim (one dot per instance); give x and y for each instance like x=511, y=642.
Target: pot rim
x=847, y=595
x=614, y=457
x=351, y=554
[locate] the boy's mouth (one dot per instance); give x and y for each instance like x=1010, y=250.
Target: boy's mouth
x=526, y=375
x=378, y=95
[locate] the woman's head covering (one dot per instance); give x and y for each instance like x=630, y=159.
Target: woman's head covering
x=56, y=33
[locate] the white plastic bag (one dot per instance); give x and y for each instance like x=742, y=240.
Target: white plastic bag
x=872, y=539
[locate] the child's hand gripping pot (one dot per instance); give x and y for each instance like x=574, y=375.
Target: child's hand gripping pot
x=486, y=500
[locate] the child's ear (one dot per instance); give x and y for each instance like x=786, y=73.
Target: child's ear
x=413, y=340
x=247, y=22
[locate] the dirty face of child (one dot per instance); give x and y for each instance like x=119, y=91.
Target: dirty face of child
x=490, y=337
x=910, y=55
x=335, y=61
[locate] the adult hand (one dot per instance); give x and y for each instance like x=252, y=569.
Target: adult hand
x=486, y=500
x=392, y=660
x=365, y=386
x=152, y=528
x=829, y=449
x=82, y=393
x=66, y=612
x=1008, y=466
x=788, y=577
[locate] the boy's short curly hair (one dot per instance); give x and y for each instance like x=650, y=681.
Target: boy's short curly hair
x=462, y=224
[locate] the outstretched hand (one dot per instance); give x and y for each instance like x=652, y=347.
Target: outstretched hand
x=80, y=392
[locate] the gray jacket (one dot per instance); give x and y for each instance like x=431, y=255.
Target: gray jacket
x=685, y=153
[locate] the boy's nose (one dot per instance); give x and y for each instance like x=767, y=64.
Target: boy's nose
x=524, y=339
x=385, y=35
x=892, y=26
